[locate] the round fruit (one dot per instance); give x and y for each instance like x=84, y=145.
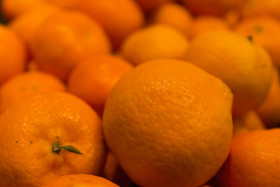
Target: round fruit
x=66, y=38
x=82, y=180
x=12, y=54
x=154, y=42
x=239, y=62
x=48, y=135
x=253, y=160
x=169, y=123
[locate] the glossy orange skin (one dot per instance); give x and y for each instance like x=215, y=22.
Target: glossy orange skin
x=13, y=8
x=164, y=121
x=265, y=32
x=174, y=15
x=269, y=111
x=30, y=127
x=119, y=18
x=93, y=79
x=78, y=180
x=237, y=61
x=206, y=23
x=65, y=39
x=27, y=83
x=12, y=54
x=253, y=160
x=26, y=24
x=156, y=41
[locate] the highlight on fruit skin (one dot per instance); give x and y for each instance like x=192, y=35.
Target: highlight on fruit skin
x=239, y=62
x=169, y=123
x=84, y=180
x=56, y=134
x=253, y=160
x=154, y=42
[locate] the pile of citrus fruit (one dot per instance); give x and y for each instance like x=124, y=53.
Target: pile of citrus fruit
x=148, y=93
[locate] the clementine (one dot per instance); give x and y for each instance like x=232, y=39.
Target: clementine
x=13, y=8
x=93, y=79
x=174, y=15
x=154, y=42
x=27, y=83
x=12, y=54
x=26, y=24
x=253, y=160
x=203, y=24
x=168, y=123
x=237, y=61
x=66, y=38
x=76, y=180
x=119, y=18
x=264, y=31
x=48, y=135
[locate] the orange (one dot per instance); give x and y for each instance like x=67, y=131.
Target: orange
x=27, y=83
x=13, y=8
x=248, y=122
x=168, y=123
x=253, y=160
x=265, y=31
x=38, y=134
x=174, y=15
x=149, y=6
x=269, y=111
x=232, y=18
x=79, y=180
x=154, y=42
x=93, y=79
x=118, y=17
x=203, y=24
x=237, y=61
x=26, y=24
x=12, y=54
x=113, y=172
x=254, y=8
x=67, y=4
x=65, y=39
x=212, y=7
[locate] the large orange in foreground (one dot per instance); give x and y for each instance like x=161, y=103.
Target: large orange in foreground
x=36, y=134
x=169, y=124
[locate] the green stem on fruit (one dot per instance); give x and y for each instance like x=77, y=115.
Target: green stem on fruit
x=56, y=148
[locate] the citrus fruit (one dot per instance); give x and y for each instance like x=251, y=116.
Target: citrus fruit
x=76, y=180
x=239, y=62
x=154, y=42
x=93, y=79
x=169, y=123
x=66, y=38
x=12, y=54
x=48, y=135
x=253, y=160
x=27, y=83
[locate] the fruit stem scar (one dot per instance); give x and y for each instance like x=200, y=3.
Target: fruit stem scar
x=56, y=148
x=250, y=38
